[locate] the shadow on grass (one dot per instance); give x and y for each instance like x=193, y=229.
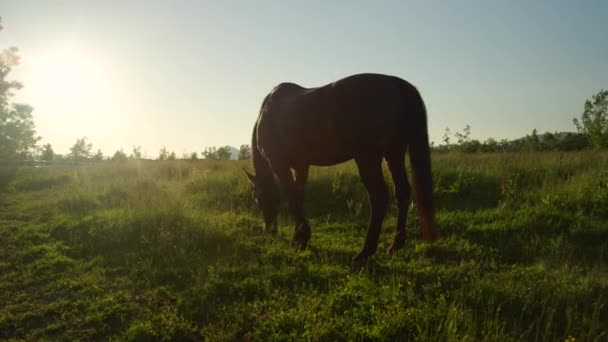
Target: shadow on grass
x=527, y=246
x=457, y=190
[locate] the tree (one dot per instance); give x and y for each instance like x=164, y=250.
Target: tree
x=8, y=59
x=532, y=141
x=223, y=153
x=217, y=153
x=490, y=145
x=573, y=142
x=136, y=152
x=549, y=142
x=244, y=152
x=17, y=130
x=98, y=155
x=464, y=136
x=209, y=153
x=446, y=136
x=119, y=156
x=189, y=156
x=171, y=156
x=47, y=153
x=594, y=120
x=164, y=154
x=81, y=150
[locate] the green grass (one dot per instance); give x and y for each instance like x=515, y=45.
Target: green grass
x=176, y=251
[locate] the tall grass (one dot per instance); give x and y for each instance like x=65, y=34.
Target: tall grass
x=175, y=250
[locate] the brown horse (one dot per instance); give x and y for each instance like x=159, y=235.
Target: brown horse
x=365, y=117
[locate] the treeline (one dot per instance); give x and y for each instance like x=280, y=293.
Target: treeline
x=592, y=134
x=564, y=141
x=83, y=151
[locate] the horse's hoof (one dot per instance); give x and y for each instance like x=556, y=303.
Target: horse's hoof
x=398, y=243
x=299, y=245
x=301, y=237
x=300, y=241
x=392, y=250
x=360, y=258
x=363, y=257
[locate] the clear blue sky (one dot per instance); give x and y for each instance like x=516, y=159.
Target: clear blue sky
x=189, y=74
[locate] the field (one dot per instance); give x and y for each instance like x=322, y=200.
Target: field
x=149, y=250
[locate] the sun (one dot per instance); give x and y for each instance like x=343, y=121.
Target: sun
x=68, y=77
x=70, y=74
x=74, y=90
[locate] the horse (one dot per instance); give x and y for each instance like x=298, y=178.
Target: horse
x=366, y=117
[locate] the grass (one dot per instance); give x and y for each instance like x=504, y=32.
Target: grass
x=148, y=250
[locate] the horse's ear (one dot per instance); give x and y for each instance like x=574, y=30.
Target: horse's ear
x=249, y=176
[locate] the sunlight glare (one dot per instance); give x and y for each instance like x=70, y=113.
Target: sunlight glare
x=70, y=74
x=75, y=91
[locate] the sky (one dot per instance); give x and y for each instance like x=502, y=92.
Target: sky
x=190, y=74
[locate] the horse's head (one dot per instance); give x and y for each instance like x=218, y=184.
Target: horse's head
x=266, y=195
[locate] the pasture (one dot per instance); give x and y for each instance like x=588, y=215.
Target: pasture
x=175, y=250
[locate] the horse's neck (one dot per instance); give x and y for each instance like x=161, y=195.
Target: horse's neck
x=260, y=164
x=263, y=171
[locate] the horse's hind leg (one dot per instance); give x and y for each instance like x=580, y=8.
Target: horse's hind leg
x=403, y=191
x=370, y=170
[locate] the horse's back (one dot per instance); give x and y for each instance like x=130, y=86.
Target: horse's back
x=333, y=123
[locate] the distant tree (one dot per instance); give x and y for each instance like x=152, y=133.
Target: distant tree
x=594, y=120
x=573, y=142
x=244, y=152
x=164, y=154
x=47, y=153
x=446, y=137
x=209, y=153
x=549, y=142
x=136, y=154
x=471, y=146
x=490, y=145
x=532, y=141
x=119, y=156
x=98, y=156
x=17, y=130
x=217, y=153
x=8, y=59
x=81, y=150
x=464, y=136
x=463, y=141
x=223, y=153
x=503, y=145
x=171, y=156
x=193, y=156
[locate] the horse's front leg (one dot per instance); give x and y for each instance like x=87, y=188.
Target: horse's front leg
x=370, y=169
x=295, y=195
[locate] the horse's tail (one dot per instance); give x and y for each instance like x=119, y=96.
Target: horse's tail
x=420, y=158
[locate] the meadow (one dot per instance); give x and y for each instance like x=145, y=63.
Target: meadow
x=175, y=250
